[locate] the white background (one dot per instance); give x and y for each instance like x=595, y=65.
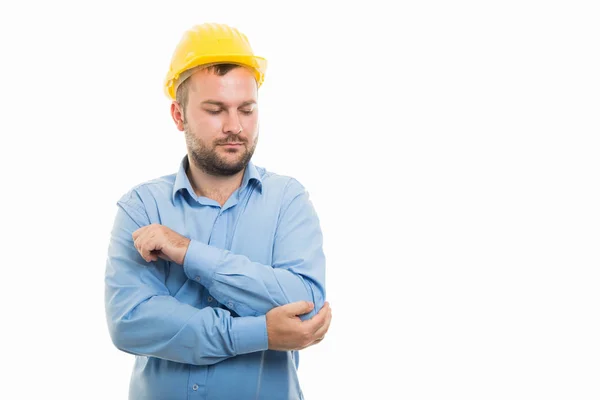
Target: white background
x=450, y=148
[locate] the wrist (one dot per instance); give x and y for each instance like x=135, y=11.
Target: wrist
x=182, y=247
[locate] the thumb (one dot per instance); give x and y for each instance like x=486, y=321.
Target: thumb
x=298, y=308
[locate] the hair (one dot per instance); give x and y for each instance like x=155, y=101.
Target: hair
x=183, y=84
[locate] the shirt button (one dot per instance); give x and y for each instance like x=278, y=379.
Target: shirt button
x=198, y=278
x=209, y=299
x=195, y=387
x=230, y=305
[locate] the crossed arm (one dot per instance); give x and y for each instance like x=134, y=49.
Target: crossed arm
x=143, y=317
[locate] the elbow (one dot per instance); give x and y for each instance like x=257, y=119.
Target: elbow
x=125, y=340
x=317, y=307
x=316, y=295
x=122, y=332
x=118, y=335
x=124, y=326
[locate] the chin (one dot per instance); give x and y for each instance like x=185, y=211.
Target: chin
x=233, y=164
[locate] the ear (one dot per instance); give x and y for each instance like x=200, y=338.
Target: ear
x=177, y=114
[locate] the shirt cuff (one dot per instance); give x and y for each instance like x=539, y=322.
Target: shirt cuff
x=201, y=261
x=250, y=334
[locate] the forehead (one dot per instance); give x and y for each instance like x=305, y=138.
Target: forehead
x=237, y=86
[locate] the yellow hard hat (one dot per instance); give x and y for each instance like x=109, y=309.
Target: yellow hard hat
x=211, y=43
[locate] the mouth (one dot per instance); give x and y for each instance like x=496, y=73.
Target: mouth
x=231, y=144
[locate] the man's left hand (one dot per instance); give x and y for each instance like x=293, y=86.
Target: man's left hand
x=157, y=241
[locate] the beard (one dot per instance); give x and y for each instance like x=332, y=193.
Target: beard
x=206, y=158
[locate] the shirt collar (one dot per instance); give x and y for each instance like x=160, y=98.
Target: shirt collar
x=182, y=182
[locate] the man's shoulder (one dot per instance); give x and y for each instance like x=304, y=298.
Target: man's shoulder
x=285, y=187
x=279, y=182
x=160, y=187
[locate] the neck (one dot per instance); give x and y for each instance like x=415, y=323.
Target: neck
x=218, y=188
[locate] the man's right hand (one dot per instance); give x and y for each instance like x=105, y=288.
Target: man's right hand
x=286, y=331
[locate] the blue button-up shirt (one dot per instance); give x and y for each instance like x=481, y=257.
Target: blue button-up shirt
x=198, y=330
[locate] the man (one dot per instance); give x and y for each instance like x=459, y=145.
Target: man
x=215, y=276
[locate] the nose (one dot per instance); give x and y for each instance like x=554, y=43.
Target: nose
x=232, y=124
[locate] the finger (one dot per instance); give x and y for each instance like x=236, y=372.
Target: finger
x=139, y=246
x=137, y=243
x=150, y=248
x=308, y=345
x=165, y=257
x=138, y=237
x=318, y=320
x=320, y=333
x=297, y=308
x=311, y=343
x=154, y=256
x=138, y=232
x=145, y=244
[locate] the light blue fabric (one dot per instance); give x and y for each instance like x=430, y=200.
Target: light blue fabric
x=198, y=330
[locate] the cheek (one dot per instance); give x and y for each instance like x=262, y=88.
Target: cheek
x=251, y=123
x=205, y=124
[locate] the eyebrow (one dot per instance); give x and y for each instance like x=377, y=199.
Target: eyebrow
x=221, y=104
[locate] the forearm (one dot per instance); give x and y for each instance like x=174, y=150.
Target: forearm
x=144, y=319
x=162, y=327
x=250, y=288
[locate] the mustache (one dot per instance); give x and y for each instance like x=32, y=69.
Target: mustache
x=231, y=139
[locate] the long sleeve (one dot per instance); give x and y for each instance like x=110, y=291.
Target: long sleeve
x=252, y=289
x=144, y=319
